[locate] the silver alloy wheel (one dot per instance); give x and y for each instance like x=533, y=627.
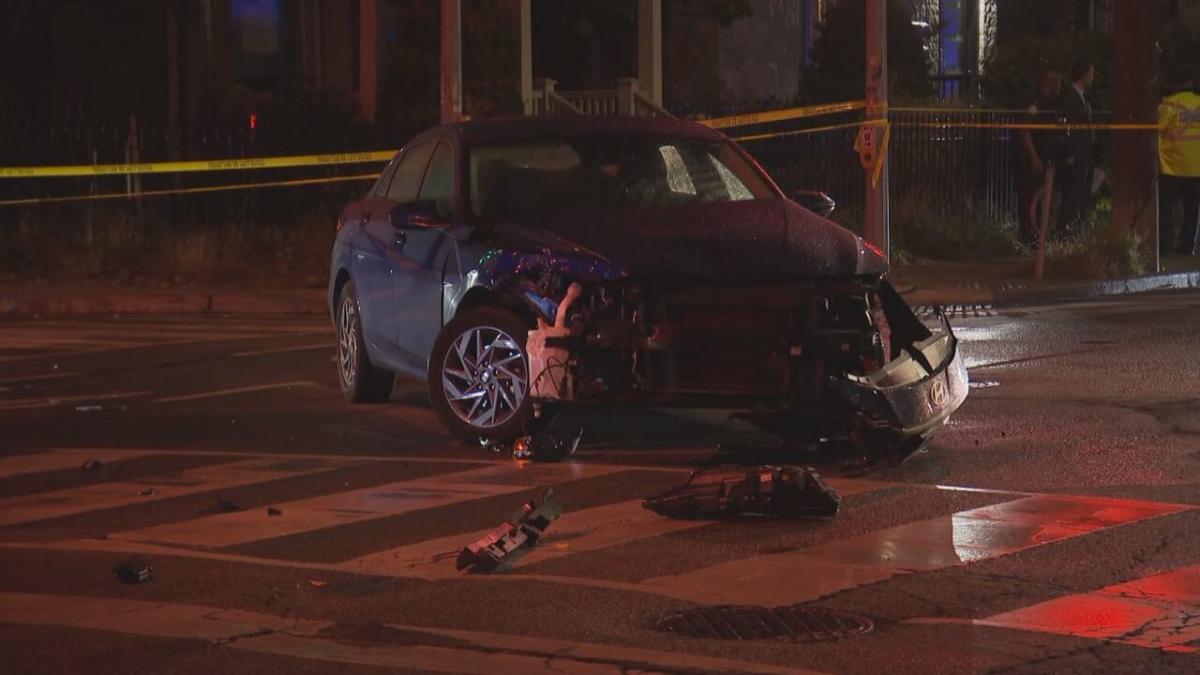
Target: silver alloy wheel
x=347, y=341
x=484, y=377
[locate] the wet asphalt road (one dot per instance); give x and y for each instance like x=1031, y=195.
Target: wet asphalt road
x=1059, y=498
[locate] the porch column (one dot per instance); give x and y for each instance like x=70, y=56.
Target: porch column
x=451, y=61
x=526, y=21
x=649, y=73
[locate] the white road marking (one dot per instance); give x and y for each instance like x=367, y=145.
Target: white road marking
x=239, y=390
x=35, y=378
x=1155, y=612
x=55, y=401
x=150, y=619
x=475, y=652
x=342, y=508
x=41, y=506
x=284, y=350
x=39, y=462
x=937, y=543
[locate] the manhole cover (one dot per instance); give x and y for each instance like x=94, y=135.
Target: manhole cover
x=794, y=624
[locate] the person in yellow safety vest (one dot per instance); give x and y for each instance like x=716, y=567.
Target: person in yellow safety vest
x=1179, y=163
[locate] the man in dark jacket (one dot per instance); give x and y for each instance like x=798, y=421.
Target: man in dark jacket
x=1076, y=177
x=1041, y=149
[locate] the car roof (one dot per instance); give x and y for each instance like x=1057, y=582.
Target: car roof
x=508, y=129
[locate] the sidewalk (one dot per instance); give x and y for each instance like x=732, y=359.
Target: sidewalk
x=1010, y=282
x=930, y=282
x=78, y=299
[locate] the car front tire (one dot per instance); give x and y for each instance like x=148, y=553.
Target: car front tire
x=361, y=381
x=478, y=376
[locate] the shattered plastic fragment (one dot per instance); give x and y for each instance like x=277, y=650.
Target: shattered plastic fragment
x=502, y=546
x=777, y=491
x=134, y=571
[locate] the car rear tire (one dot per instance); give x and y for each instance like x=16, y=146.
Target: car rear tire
x=361, y=381
x=478, y=376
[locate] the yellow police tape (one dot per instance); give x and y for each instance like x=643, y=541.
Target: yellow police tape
x=197, y=165
x=782, y=115
x=183, y=191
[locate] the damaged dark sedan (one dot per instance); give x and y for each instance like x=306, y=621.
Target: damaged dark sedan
x=523, y=265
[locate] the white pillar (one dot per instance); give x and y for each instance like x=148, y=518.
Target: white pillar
x=650, y=49
x=451, y=61
x=526, y=22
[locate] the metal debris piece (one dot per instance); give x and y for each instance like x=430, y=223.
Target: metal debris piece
x=93, y=464
x=134, y=571
x=272, y=511
x=777, y=491
x=502, y=546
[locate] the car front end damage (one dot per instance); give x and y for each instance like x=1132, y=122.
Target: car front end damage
x=832, y=358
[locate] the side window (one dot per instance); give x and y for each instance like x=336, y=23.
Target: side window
x=381, y=184
x=407, y=179
x=439, y=181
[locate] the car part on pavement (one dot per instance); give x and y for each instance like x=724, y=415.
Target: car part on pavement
x=134, y=571
x=779, y=491
x=501, y=547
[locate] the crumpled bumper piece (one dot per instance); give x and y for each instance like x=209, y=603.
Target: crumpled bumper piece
x=730, y=491
x=899, y=407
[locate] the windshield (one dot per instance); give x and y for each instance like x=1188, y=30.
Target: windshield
x=522, y=181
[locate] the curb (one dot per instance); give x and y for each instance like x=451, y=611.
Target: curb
x=68, y=302
x=1021, y=294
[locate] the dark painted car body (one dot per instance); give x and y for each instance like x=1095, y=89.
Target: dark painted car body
x=733, y=303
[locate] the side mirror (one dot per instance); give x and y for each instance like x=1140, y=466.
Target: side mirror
x=815, y=201
x=414, y=214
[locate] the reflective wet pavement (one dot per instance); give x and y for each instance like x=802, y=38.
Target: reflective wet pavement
x=1050, y=527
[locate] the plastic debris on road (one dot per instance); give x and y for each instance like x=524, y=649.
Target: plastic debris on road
x=134, y=571
x=501, y=547
x=727, y=491
x=541, y=447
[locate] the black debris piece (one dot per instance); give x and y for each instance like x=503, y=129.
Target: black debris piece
x=226, y=506
x=134, y=571
x=93, y=464
x=502, y=546
x=776, y=491
x=272, y=511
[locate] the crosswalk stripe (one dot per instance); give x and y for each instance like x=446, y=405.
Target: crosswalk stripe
x=472, y=652
x=41, y=462
x=45, y=505
x=1156, y=612
x=574, y=533
x=343, y=508
x=964, y=537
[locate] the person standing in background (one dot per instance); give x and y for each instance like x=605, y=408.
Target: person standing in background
x=1076, y=176
x=1041, y=149
x=1179, y=164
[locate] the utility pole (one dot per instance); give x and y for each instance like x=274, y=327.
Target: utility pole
x=451, y=61
x=873, y=137
x=1134, y=69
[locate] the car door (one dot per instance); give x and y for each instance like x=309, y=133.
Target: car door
x=379, y=248
x=423, y=258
